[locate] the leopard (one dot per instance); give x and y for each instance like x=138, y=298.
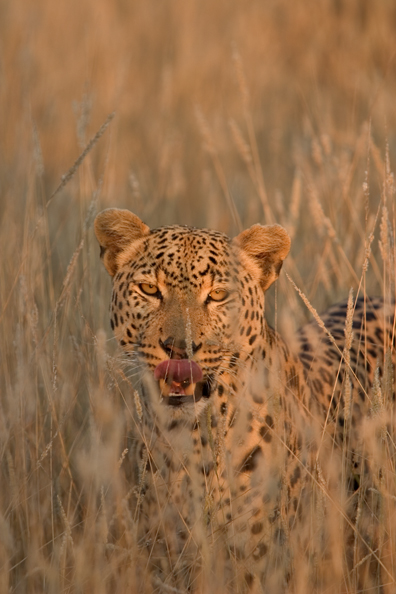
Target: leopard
x=233, y=424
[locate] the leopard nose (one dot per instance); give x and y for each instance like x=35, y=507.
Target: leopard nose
x=177, y=348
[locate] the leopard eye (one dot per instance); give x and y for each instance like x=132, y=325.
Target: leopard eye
x=218, y=295
x=149, y=289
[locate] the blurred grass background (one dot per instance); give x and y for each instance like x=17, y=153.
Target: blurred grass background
x=284, y=110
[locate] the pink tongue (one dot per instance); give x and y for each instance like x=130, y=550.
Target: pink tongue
x=178, y=370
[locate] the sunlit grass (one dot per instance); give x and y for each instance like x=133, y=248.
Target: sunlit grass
x=225, y=115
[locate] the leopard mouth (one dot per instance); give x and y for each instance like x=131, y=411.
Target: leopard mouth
x=181, y=382
x=199, y=390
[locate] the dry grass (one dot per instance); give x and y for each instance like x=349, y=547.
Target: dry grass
x=226, y=114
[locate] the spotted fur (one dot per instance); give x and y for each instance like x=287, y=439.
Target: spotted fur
x=231, y=467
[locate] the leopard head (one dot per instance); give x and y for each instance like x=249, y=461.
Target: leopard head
x=188, y=304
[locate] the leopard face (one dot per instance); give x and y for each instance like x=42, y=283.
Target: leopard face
x=188, y=305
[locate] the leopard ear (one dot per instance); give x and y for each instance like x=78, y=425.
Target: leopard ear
x=115, y=230
x=267, y=246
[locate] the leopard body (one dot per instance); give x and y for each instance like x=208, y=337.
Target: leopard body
x=231, y=467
